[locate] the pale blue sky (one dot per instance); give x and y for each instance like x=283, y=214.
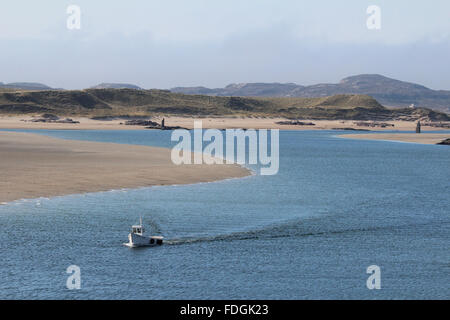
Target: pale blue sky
x=162, y=44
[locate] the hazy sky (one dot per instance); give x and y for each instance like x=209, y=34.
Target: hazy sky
x=167, y=43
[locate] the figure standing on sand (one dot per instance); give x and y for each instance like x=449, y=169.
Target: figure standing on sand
x=419, y=127
x=163, y=124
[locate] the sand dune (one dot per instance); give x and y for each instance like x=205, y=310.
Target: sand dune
x=425, y=138
x=34, y=166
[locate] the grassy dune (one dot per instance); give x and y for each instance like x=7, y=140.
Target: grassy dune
x=120, y=102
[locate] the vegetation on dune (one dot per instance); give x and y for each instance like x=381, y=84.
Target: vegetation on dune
x=389, y=92
x=131, y=102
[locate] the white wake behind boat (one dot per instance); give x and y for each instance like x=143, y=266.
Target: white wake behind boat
x=137, y=238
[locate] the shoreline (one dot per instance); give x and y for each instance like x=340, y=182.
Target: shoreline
x=423, y=138
x=36, y=166
x=16, y=122
x=249, y=175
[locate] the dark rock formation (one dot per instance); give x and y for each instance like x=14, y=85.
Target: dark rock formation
x=53, y=119
x=50, y=116
x=123, y=117
x=374, y=124
x=148, y=124
x=446, y=142
x=295, y=123
x=445, y=125
x=144, y=123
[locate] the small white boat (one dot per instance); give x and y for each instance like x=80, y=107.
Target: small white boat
x=137, y=238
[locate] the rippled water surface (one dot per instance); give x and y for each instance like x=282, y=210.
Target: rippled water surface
x=336, y=207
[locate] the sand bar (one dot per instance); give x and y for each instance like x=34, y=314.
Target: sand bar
x=424, y=138
x=23, y=122
x=35, y=166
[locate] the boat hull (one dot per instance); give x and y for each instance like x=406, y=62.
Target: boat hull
x=135, y=240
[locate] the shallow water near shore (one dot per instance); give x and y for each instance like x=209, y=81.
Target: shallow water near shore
x=336, y=207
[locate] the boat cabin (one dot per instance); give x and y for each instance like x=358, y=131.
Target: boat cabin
x=137, y=239
x=138, y=229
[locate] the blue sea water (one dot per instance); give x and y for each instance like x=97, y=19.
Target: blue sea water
x=336, y=207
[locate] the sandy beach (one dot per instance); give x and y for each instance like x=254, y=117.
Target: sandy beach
x=35, y=166
x=425, y=138
x=23, y=122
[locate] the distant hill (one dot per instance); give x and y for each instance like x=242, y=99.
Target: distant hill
x=25, y=86
x=387, y=91
x=244, y=90
x=130, y=102
x=116, y=86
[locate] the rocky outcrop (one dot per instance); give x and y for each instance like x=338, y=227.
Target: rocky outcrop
x=50, y=118
x=446, y=142
x=374, y=124
x=144, y=123
x=295, y=123
x=148, y=124
x=445, y=125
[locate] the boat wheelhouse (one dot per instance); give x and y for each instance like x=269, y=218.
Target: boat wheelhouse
x=137, y=238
